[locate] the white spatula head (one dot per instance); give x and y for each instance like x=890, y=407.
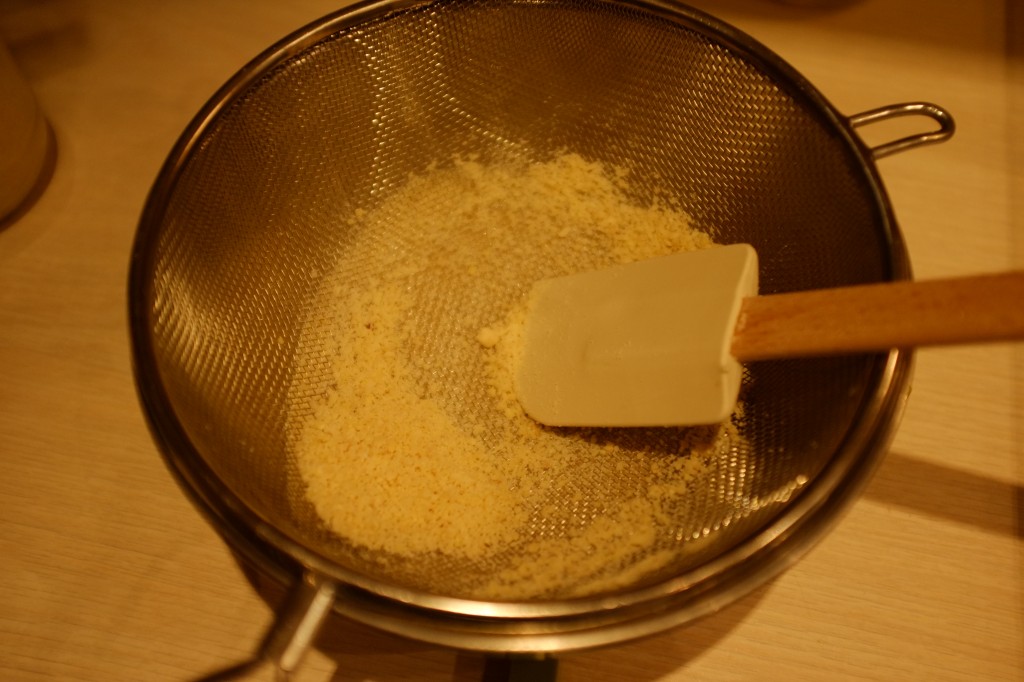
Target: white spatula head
x=643, y=344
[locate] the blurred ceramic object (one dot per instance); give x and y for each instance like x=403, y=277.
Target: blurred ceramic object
x=24, y=137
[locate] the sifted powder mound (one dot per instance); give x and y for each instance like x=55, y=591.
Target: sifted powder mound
x=409, y=440
x=388, y=468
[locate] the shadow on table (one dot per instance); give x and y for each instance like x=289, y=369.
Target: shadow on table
x=949, y=493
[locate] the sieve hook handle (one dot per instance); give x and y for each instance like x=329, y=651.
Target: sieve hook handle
x=933, y=111
x=290, y=636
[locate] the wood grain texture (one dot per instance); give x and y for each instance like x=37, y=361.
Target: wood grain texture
x=107, y=572
x=876, y=317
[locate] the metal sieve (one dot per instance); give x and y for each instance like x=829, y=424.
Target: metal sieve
x=252, y=209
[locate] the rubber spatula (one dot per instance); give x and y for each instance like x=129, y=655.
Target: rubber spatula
x=660, y=342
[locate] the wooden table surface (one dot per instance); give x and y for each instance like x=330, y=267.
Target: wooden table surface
x=107, y=572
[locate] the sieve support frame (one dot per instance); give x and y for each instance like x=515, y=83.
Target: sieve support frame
x=289, y=637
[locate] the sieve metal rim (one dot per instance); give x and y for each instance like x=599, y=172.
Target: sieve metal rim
x=227, y=511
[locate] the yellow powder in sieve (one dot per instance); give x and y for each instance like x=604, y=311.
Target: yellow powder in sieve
x=388, y=468
x=414, y=443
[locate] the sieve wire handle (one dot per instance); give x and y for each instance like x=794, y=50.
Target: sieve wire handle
x=290, y=636
x=933, y=111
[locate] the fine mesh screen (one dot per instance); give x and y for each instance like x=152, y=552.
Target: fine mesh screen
x=257, y=225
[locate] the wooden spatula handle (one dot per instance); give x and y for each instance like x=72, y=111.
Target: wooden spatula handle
x=875, y=317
